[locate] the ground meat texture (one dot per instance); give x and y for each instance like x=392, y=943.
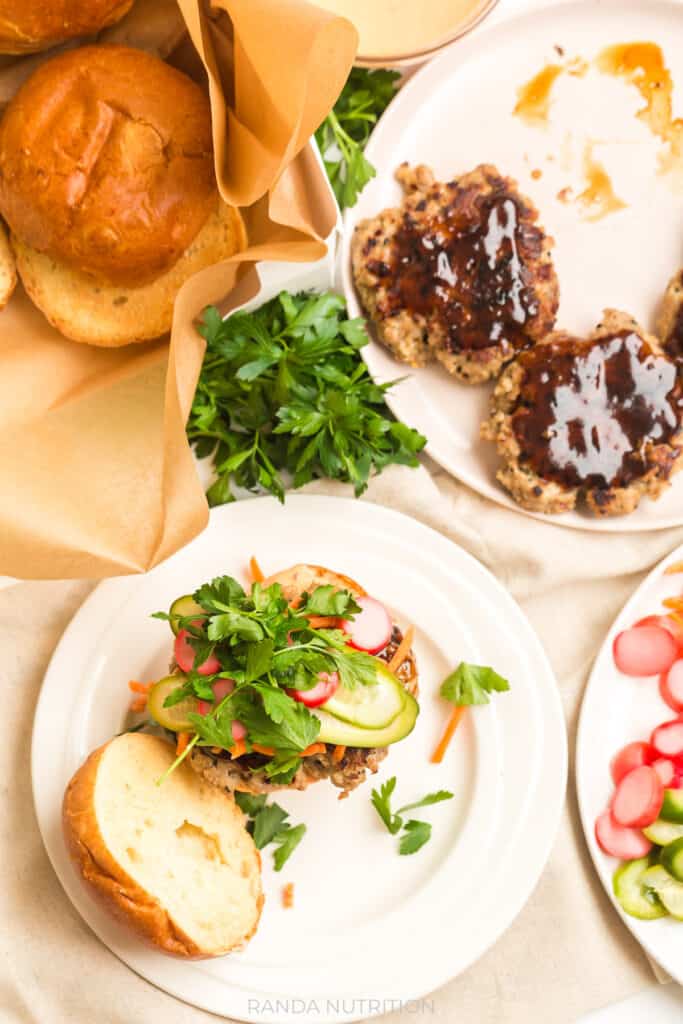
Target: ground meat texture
x=594, y=421
x=460, y=272
x=244, y=774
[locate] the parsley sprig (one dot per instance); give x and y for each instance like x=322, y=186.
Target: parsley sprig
x=284, y=395
x=415, y=833
x=345, y=131
x=472, y=684
x=267, y=648
x=268, y=824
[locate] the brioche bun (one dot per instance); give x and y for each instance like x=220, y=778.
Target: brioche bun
x=106, y=163
x=30, y=25
x=8, y=270
x=173, y=861
x=110, y=315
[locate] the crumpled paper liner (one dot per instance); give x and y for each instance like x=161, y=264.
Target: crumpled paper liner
x=96, y=475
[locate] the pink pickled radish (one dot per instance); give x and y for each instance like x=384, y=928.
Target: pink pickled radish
x=617, y=841
x=638, y=798
x=666, y=622
x=671, y=686
x=239, y=731
x=666, y=771
x=221, y=688
x=633, y=755
x=371, y=629
x=667, y=739
x=322, y=691
x=184, y=655
x=644, y=651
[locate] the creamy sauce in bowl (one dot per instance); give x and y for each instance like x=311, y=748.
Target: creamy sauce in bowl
x=403, y=29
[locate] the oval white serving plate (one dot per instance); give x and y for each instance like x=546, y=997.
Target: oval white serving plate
x=616, y=710
x=456, y=113
x=368, y=927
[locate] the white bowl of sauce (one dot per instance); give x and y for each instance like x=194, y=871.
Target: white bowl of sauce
x=401, y=32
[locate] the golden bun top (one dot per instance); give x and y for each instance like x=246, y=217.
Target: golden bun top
x=106, y=163
x=29, y=25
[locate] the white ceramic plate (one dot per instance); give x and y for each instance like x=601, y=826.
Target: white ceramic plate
x=456, y=113
x=368, y=927
x=617, y=710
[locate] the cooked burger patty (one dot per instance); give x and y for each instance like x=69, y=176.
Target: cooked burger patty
x=459, y=272
x=595, y=420
x=244, y=774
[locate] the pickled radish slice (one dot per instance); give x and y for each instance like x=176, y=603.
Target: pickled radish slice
x=666, y=771
x=617, y=841
x=326, y=686
x=667, y=739
x=184, y=655
x=633, y=755
x=638, y=799
x=671, y=686
x=644, y=651
x=239, y=731
x=371, y=629
x=221, y=688
x=665, y=622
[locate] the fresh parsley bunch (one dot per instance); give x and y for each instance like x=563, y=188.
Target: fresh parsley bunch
x=268, y=824
x=415, y=833
x=345, y=131
x=266, y=648
x=283, y=390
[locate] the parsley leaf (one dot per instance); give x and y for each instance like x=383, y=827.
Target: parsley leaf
x=309, y=410
x=267, y=823
x=327, y=600
x=287, y=840
x=472, y=684
x=416, y=834
x=345, y=131
x=249, y=802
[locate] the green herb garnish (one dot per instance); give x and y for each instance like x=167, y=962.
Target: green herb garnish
x=472, y=684
x=268, y=824
x=345, y=131
x=415, y=833
x=284, y=396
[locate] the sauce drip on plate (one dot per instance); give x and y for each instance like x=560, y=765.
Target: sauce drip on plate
x=533, y=98
x=589, y=410
x=467, y=266
x=598, y=199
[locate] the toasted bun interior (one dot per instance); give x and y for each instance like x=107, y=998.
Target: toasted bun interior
x=174, y=861
x=110, y=315
x=106, y=163
x=29, y=25
x=302, y=578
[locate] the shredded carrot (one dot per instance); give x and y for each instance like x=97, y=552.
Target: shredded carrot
x=456, y=715
x=673, y=568
x=182, y=740
x=216, y=750
x=137, y=687
x=315, y=748
x=256, y=571
x=678, y=619
x=338, y=754
x=323, y=621
x=238, y=749
x=268, y=751
x=288, y=895
x=139, y=704
x=673, y=602
x=402, y=650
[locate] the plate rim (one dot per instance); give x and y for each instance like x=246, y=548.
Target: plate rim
x=552, y=724
x=459, y=52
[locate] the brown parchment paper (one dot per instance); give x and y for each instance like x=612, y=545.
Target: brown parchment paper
x=96, y=476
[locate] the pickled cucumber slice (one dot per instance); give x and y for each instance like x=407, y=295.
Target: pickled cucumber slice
x=672, y=859
x=335, y=730
x=668, y=890
x=663, y=832
x=672, y=806
x=369, y=707
x=175, y=717
x=633, y=894
x=182, y=607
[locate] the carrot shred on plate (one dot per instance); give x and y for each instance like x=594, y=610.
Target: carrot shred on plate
x=442, y=746
x=676, y=603
x=402, y=650
x=256, y=571
x=139, y=703
x=678, y=619
x=338, y=753
x=288, y=895
x=138, y=687
x=182, y=739
x=672, y=569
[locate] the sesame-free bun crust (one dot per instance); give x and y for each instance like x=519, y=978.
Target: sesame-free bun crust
x=8, y=270
x=111, y=315
x=106, y=163
x=30, y=25
x=174, y=861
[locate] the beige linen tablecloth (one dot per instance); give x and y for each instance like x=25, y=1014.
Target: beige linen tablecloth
x=566, y=953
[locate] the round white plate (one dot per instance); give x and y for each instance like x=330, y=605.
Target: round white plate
x=456, y=113
x=368, y=927
x=616, y=710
